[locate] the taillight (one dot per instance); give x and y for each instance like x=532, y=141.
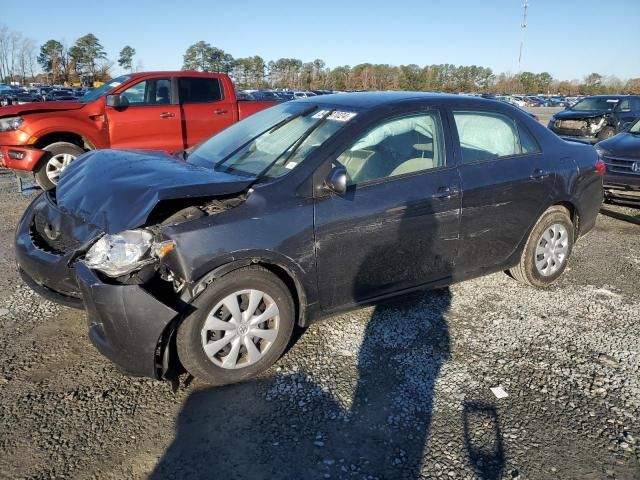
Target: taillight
x=601, y=168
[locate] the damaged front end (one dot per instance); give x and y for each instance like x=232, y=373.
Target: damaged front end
x=586, y=128
x=133, y=297
x=97, y=242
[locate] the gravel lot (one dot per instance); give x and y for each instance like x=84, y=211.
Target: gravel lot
x=397, y=391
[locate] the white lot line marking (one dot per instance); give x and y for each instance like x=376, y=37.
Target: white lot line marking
x=499, y=392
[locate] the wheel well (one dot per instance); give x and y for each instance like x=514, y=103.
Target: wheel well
x=68, y=137
x=283, y=273
x=289, y=281
x=573, y=215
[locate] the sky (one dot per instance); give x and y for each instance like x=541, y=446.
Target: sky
x=567, y=38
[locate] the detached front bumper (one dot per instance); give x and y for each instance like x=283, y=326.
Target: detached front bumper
x=126, y=323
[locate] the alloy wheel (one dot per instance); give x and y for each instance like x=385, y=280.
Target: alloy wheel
x=57, y=164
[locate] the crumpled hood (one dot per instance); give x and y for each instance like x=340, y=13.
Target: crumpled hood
x=573, y=115
x=116, y=190
x=623, y=145
x=40, y=107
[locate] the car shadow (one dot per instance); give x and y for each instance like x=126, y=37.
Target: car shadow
x=290, y=426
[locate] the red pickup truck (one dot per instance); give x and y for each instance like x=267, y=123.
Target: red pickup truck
x=155, y=111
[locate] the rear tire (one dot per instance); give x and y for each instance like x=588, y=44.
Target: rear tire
x=547, y=250
x=212, y=322
x=61, y=155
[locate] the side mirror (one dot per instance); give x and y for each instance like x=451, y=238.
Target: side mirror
x=116, y=101
x=337, y=180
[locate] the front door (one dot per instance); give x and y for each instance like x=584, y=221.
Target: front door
x=151, y=120
x=396, y=227
x=205, y=109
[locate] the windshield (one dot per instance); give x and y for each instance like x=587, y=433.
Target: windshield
x=595, y=103
x=103, y=89
x=272, y=142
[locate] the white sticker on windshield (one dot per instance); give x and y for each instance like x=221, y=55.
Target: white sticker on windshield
x=613, y=100
x=291, y=165
x=335, y=116
x=115, y=84
x=341, y=116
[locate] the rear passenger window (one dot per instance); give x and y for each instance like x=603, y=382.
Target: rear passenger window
x=527, y=142
x=486, y=136
x=199, y=90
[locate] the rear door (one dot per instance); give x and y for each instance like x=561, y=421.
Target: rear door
x=205, y=108
x=396, y=227
x=507, y=182
x=151, y=120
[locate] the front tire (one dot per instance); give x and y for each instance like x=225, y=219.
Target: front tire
x=241, y=325
x=547, y=250
x=61, y=155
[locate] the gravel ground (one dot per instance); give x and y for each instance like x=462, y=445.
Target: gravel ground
x=397, y=391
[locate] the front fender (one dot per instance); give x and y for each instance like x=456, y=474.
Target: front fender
x=265, y=259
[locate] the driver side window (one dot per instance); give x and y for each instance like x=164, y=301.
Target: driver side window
x=149, y=92
x=400, y=146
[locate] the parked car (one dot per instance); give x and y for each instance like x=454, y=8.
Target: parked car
x=597, y=118
x=621, y=154
x=7, y=97
x=286, y=95
x=265, y=95
x=59, y=95
x=302, y=94
x=22, y=98
x=303, y=210
x=158, y=111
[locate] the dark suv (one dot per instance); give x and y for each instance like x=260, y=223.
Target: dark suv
x=621, y=155
x=593, y=119
x=306, y=209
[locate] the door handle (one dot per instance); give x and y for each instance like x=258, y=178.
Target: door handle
x=167, y=115
x=539, y=174
x=445, y=193
x=220, y=111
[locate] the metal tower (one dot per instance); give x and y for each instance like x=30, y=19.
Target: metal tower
x=523, y=27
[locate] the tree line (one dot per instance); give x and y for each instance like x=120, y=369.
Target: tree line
x=55, y=62
x=86, y=61
x=255, y=72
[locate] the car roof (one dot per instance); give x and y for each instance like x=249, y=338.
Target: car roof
x=366, y=100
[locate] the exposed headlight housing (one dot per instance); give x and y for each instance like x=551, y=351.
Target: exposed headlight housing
x=9, y=124
x=125, y=252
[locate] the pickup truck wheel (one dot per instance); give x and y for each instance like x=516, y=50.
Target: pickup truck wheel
x=606, y=132
x=240, y=326
x=547, y=251
x=62, y=154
